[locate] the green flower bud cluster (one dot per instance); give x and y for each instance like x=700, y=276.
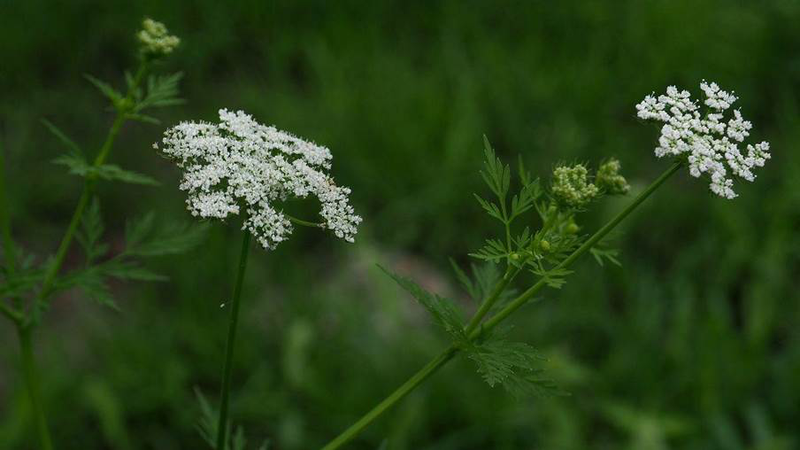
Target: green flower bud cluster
x=155, y=40
x=609, y=180
x=571, y=186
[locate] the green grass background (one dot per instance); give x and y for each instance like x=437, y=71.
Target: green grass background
x=693, y=344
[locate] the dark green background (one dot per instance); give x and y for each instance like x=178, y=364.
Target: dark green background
x=694, y=343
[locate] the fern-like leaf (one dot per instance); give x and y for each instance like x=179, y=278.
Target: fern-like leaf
x=494, y=251
x=162, y=91
x=69, y=143
x=514, y=365
x=443, y=311
x=109, y=92
x=497, y=175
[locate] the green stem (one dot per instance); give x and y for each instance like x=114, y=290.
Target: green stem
x=222, y=427
x=302, y=222
x=9, y=248
x=12, y=314
x=393, y=398
x=86, y=195
x=32, y=382
x=594, y=239
x=475, y=332
x=487, y=304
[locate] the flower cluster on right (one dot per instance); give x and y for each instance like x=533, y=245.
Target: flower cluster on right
x=709, y=143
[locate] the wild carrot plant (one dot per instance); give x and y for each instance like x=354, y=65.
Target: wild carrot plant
x=31, y=283
x=692, y=136
x=241, y=167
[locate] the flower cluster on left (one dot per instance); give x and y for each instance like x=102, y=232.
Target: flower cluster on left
x=240, y=164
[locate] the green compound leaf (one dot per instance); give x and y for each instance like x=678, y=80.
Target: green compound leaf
x=75, y=162
x=526, y=199
x=207, y=424
x=69, y=143
x=78, y=165
x=494, y=250
x=609, y=254
x=555, y=278
x=162, y=91
x=112, y=172
x=497, y=175
x=91, y=281
x=491, y=208
x=129, y=270
x=207, y=427
x=109, y=92
x=143, y=240
x=514, y=365
x=144, y=118
x=91, y=231
x=444, y=312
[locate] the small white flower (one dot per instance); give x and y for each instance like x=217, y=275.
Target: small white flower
x=709, y=144
x=242, y=164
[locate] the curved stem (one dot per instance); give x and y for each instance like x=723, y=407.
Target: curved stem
x=9, y=247
x=222, y=427
x=475, y=332
x=393, y=398
x=302, y=222
x=83, y=202
x=591, y=242
x=31, y=375
x=487, y=304
x=11, y=313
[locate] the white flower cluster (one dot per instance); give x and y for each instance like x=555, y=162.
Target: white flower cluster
x=709, y=144
x=240, y=163
x=155, y=38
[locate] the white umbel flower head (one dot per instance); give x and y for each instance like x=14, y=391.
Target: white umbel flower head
x=242, y=165
x=708, y=143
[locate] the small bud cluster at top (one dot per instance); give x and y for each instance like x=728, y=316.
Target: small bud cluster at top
x=609, y=180
x=709, y=144
x=571, y=186
x=242, y=163
x=155, y=40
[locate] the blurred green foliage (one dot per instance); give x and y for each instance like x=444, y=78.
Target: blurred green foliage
x=694, y=343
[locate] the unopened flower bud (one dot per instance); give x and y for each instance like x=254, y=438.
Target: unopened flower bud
x=572, y=228
x=155, y=39
x=571, y=186
x=609, y=179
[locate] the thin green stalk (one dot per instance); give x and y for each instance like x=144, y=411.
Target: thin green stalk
x=31, y=375
x=12, y=314
x=591, y=242
x=9, y=248
x=222, y=427
x=487, y=304
x=393, y=398
x=86, y=195
x=302, y=222
x=355, y=429
x=24, y=322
